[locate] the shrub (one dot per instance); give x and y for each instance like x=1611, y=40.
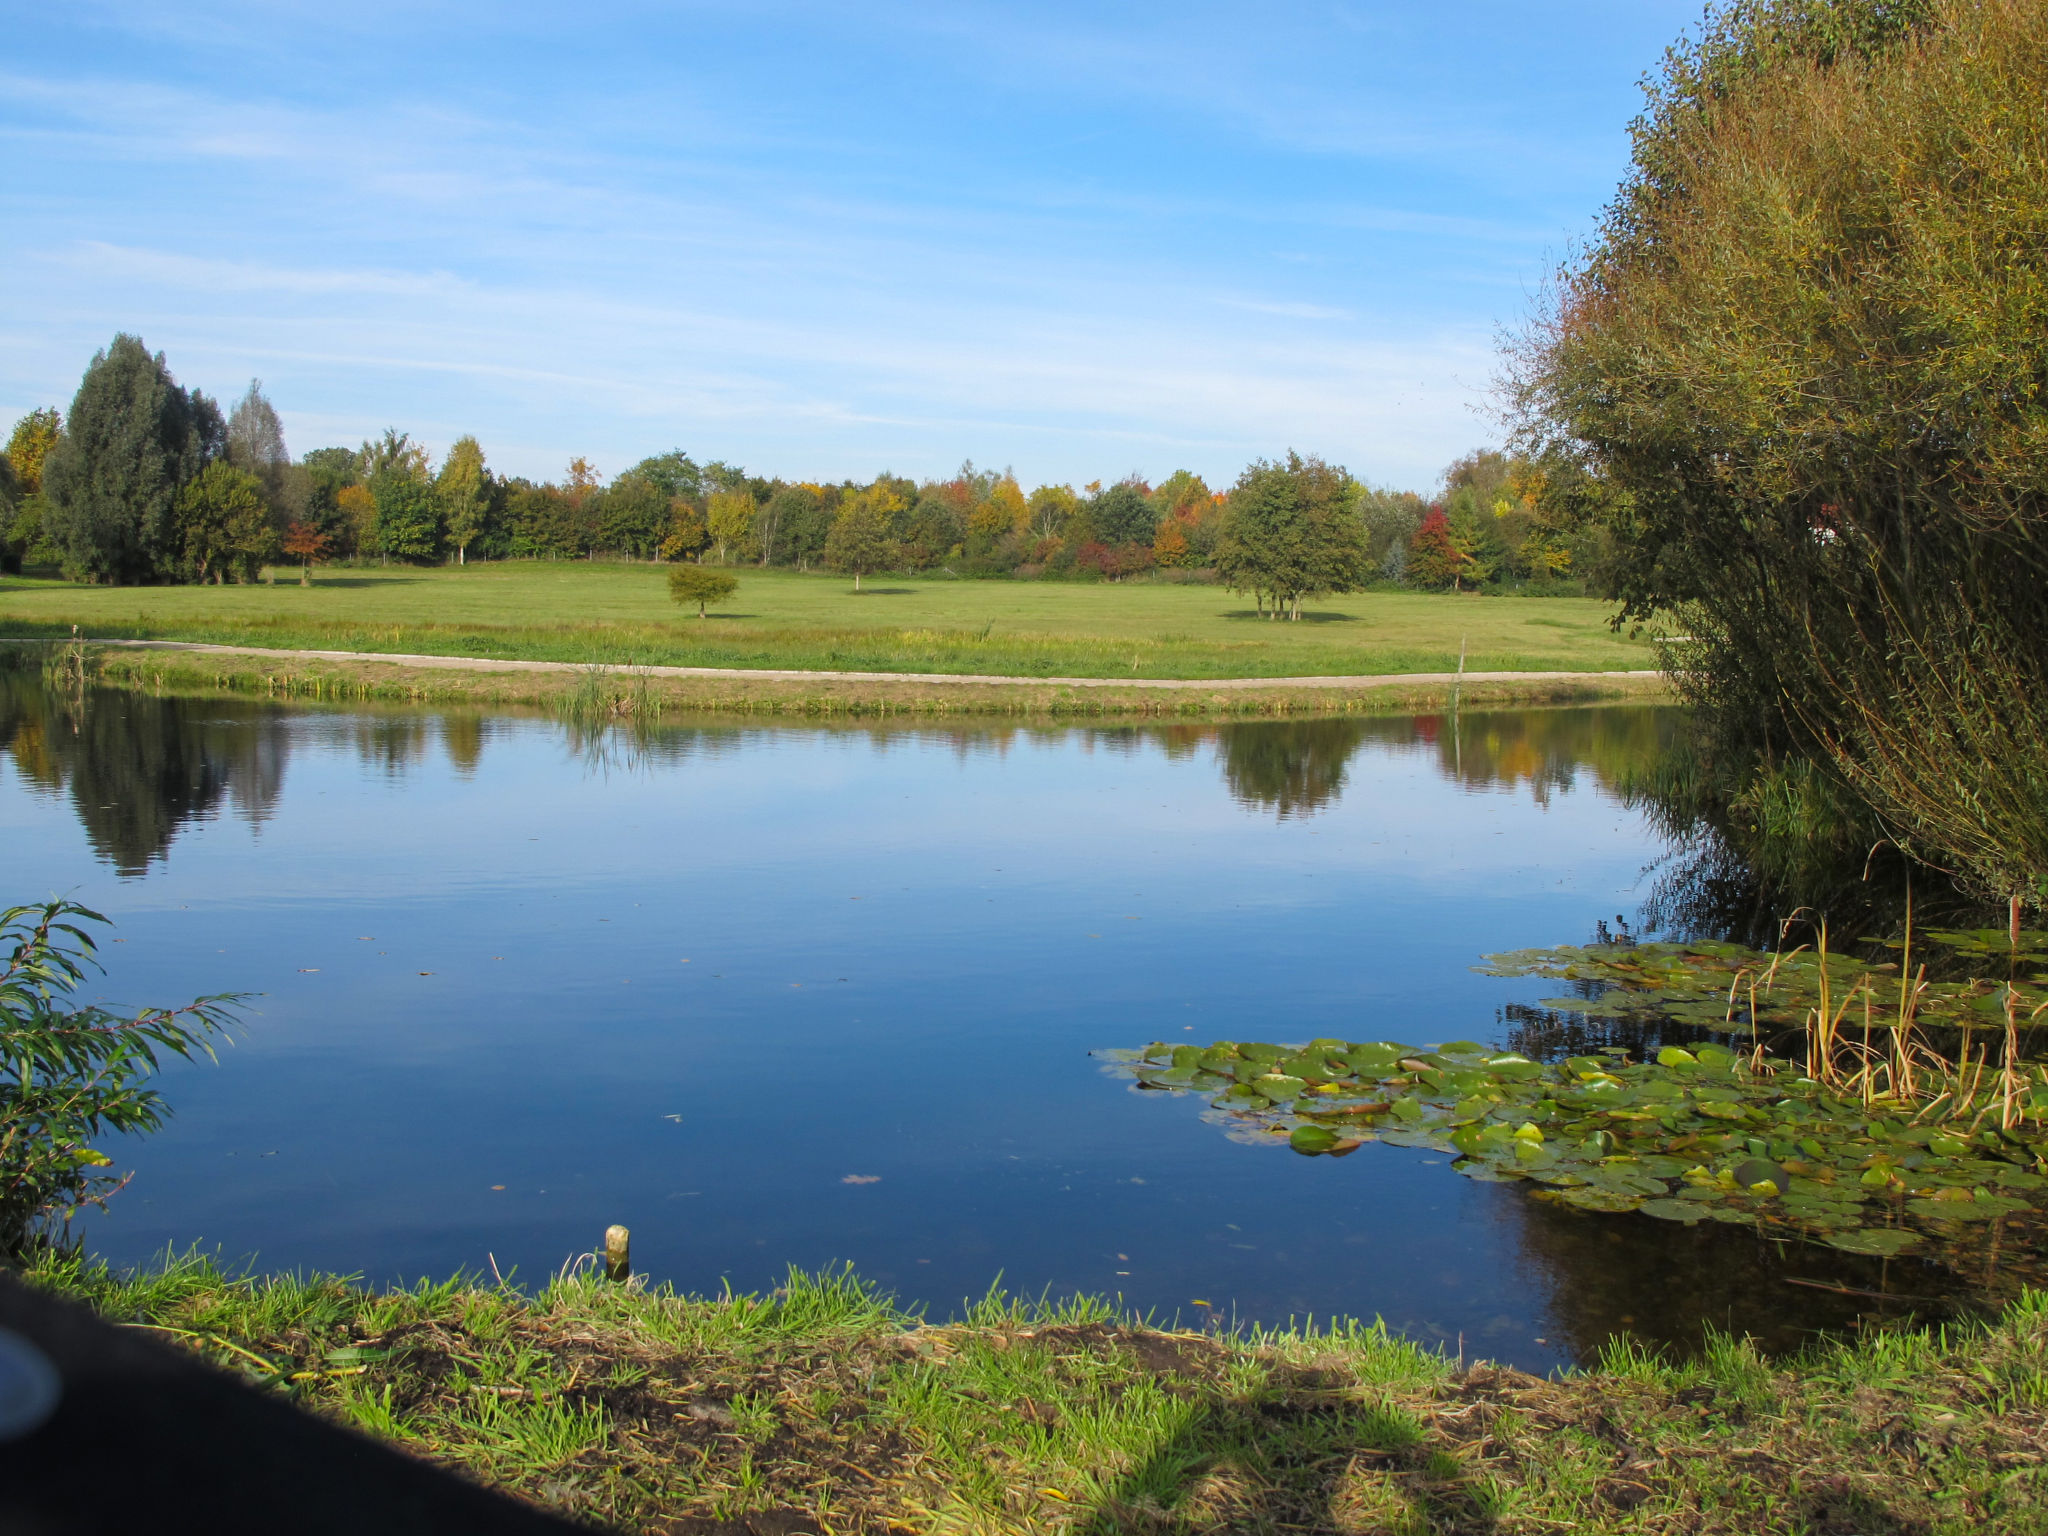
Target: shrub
x=68, y=1077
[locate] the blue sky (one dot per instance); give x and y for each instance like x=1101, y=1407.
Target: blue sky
x=820, y=240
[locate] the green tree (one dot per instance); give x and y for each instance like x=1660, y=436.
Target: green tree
x=675, y=472
x=700, y=584
x=110, y=484
x=224, y=527
x=862, y=539
x=408, y=514
x=10, y=539
x=798, y=515
x=1291, y=531
x=464, y=486
x=1123, y=515
x=633, y=517
x=255, y=443
x=932, y=528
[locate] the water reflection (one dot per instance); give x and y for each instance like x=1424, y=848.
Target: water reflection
x=139, y=768
x=1605, y=1276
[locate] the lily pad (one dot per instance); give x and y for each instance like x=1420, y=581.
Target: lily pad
x=1686, y=1211
x=1311, y=1139
x=1877, y=1242
x=1592, y=1197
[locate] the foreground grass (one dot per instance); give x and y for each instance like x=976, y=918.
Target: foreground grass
x=823, y=1408
x=615, y=614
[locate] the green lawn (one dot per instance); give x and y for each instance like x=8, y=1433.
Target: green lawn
x=618, y=613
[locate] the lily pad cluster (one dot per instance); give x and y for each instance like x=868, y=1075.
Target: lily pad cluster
x=1704, y=1134
x=1728, y=987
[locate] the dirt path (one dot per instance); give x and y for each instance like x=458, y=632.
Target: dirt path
x=494, y=664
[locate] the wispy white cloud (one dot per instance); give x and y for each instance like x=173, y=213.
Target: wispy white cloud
x=815, y=238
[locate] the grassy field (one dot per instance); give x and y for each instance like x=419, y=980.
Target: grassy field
x=615, y=614
x=824, y=1409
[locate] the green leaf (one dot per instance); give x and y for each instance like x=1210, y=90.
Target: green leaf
x=1877, y=1242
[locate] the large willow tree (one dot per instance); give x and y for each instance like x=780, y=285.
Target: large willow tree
x=1801, y=371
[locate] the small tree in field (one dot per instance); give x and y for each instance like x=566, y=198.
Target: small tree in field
x=700, y=584
x=305, y=544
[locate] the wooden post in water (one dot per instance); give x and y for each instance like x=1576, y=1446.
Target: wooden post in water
x=618, y=1262
x=1457, y=735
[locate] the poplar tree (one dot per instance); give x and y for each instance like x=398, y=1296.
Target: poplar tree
x=465, y=489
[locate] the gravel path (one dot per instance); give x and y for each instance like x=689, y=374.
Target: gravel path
x=493, y=664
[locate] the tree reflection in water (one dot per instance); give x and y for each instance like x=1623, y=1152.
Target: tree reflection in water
x=139, y=769
x=1607, y=1276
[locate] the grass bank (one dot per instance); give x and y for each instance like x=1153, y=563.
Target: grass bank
x=824, y=1408
x=611, y=614
x=597, y=693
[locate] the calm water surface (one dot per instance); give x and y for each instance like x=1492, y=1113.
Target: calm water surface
x=797, y=995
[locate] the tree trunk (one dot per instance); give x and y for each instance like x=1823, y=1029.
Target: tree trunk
x=306, y=574
x=856, y=581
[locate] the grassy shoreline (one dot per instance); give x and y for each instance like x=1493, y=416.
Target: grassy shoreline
x=610, y=693
x=823, y=1407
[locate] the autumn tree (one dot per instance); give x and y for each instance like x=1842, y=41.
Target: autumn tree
x=1003, y=511
x=1291, y=531
x=30, y=444
x=1433, y=558
x=305, y=543
x=323, y=475
x=1051, y=508
x=701, y=585
x=1802, y=359
x=687, y=534
x=729, y=522
x=356, y=511
x=464, y=488
x=21, y=505
x=862, y=540
x=132, y=438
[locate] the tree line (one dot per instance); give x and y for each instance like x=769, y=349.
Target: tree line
x=144, y=480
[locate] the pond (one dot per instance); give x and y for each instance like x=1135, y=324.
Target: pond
x=789, y=994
